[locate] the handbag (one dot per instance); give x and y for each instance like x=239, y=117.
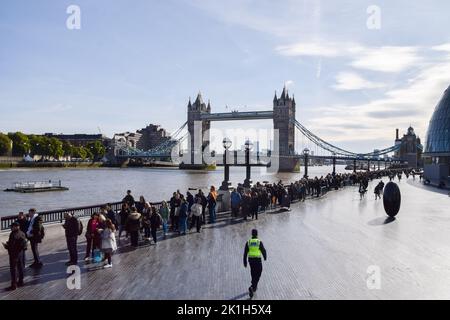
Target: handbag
x=98, y=256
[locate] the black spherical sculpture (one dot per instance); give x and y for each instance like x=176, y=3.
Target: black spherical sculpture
x=392, y=199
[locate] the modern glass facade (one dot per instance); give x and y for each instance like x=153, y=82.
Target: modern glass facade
x=437, y=146
x=438, y=135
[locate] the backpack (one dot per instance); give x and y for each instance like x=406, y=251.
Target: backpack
x=38, y=228
x=80, y=227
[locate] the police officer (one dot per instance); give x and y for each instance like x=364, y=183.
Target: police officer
x=254, y=249
x=16, y=245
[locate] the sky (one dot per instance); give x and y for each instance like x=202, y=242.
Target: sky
x=357, y=71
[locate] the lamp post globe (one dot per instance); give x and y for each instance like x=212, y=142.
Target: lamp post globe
x=226, y=143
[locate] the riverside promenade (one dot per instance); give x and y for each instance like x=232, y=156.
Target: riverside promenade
x=321, y=249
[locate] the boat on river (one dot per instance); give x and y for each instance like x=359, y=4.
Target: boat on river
x=36, y=186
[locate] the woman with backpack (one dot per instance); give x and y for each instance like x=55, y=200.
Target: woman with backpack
x=133, y=225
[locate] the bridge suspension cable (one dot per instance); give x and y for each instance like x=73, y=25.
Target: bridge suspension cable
x=336, y=150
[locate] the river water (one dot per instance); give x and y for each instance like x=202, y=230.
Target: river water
x=96, y=186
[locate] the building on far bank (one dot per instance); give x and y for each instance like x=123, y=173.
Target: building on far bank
x=410, y=148
x=437, y=146
x=144, y=139
x=152, y=136
x=79, y=140
x=129, y=139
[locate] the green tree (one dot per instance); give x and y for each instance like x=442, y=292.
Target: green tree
x=21, y=144
x=37, y=145
x=5, y=144
x=79, y=152
x=67, y=149
x=55, y=148
x=96, y=149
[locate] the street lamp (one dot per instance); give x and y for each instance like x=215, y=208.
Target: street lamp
x=226, y=145
x=248, y=148
x=334, y=163
x=306, y=154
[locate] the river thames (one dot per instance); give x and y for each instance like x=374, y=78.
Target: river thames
x=96, y=186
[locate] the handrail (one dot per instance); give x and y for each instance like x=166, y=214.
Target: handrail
x=53, y=216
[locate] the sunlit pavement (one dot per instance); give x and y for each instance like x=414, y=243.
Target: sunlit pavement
x=335, y=247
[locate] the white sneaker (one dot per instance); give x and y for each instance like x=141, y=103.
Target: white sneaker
x=87, y=259
x=106, y=266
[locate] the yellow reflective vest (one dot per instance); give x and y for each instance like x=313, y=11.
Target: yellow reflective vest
x=253, y=248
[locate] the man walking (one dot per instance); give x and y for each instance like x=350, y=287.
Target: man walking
x=35, y=234
x=73, y=228
x=16, y=245
x=254, y=249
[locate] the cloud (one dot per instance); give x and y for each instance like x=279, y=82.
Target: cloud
x=316, y=49
x=387, y=59
x=388, y=114
x=289, y=83
x=409, y=102
x=382, y=59
x=56, y=108
x=353, y=81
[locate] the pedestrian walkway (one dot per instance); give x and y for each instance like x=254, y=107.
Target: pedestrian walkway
x=321, y=249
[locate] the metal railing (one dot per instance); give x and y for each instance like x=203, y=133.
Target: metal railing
x=54, y=216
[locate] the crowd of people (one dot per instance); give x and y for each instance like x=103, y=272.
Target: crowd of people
x=139, y=221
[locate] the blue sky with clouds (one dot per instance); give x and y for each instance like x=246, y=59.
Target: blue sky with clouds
x=134, y=63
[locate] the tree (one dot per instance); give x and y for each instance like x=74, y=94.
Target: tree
x=79, y=152
x=37, y=145
x=21, y=144
x=67, y=149
x=5, y=144
x=96, y=149
x=55, y=148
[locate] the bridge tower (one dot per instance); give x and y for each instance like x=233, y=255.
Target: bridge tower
x=283, y=121
x=198, y=137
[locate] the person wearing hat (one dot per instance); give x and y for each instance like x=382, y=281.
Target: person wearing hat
x=16, y=245
x=254, y=250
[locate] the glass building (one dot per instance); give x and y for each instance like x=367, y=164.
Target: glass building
x=437, y=146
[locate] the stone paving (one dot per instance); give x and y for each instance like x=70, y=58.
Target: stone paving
x=322, y=249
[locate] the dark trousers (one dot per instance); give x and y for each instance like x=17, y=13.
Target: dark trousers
x=255, y=271
x=197, y=222
x=153, y=232
x=16, y=268
x=34, y=248
x=204, y=214
x=235, y=211
x=255, y=214
x=72, y=247
x=147, y=232
x=88, y=246
x=134, y=238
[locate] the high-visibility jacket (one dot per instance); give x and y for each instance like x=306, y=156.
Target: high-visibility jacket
x=253, y=248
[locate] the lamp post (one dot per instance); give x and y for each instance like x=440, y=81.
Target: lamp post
x=248, y=147
x=334, y=164
x=226, y=183
x=306, y=154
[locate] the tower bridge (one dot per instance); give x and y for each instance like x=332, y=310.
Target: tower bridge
x=285, y=125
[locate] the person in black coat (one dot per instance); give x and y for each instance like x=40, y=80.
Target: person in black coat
x=35, y=234
x=16, y=245
x=73, y=228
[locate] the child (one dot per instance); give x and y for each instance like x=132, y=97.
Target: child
x=108, y=242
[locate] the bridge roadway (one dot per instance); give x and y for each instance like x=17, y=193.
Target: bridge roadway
x=319, y=250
